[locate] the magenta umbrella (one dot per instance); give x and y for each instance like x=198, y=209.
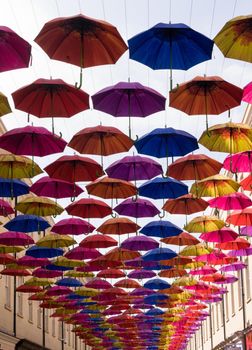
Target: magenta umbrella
x=236, y=266
x=137, y=208
x=58, y=290
x=55, y=188
x=72, y=226
x=205, y=270
x=141, y=243
x=12, y=238
x=219, y=236
x=231, y=201
x=247, y=93
x=98, y=283
x=246, y=231
x=82, y=253
x=32, y=141
x=5, y=208
x=44, y=273
x=238, y=162
x=30, y=261
x=134, y=168
x=141, y=274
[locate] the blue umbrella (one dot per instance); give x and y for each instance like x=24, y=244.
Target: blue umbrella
x=53, y=267
x=161, y=229
x=170, y=46
x=13, y=188
x=69, y=282
x=43, y=252
x=157, y=267
x=155, y=298
x=160, y=188
x=157, y=283
x=154, y=312
x=27, y=223
x=158, y=254
x=166, y=142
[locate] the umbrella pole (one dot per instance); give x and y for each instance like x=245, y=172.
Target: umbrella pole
x=211, y=328
x=78, y=86
x=43, y=318
x=243, y=298
x=201, y=336
x=62, y=335
x=14, y=288
x=224, y=317
x=171, y=82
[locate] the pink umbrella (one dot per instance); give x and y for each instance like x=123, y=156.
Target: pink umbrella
x=5, y=208
x=12, y=238
x=231, y=201
x=247, y=93
x=240, y=252
x=98, y=283
x=246, y=231
x=30, y=261
x=216, y=257
x=239, y=162
x=54, y=188
x=44, y=273
x=205, y=270
x=72, y=226
x=219, y=236
x=58, y=290
x=82, y=253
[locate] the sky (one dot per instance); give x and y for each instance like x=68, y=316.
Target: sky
x=27, y=17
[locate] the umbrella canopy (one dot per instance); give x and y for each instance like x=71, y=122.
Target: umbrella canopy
x=72, y=226
x=137, y=208
x=18, y=167
x=74, y=168
x=158, y=254
x=43, y=252
x=231, y=201
x=89, y=208
x=196, y=250
x=13, y=188
x=141, y=243
x=160, y=187
x=111, y=188
x=219, y=236
x=39, y=206
x=157, y=284
x=32, y=141
x=240, y=217
x=246, y=183
x=4, y=105
x=98, y=283
x=166, y=142
x=141, y=274
x=214, y=186
x=69, y=282
x=183, y=238
x=127, y=283
x=27, y=223
x=111, y=273
x=15, y=51
x=239, y=162
x=6, y=259
x=82, y=253
x=131, y=168
x=118, y=226
x=5, y=208
x=54, y=240
x=12, y=238
x=98, y=241
x=54, y=188
x=187, y=204
x=204, y=224
x=228, y=137
x=161, y=229
x=234, y=38
x=236, y=244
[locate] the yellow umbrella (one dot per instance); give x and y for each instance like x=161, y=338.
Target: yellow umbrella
x=36, y=281
x=78, y=274
x=204, y=223
x=10, y=249
x=54, y=240
x=87, y=292
x=214, y=186
x=185, y=281
x=4, y=105
x=194, y=265
x=234, y=39
x=39, y=206
x=62, y=261
x=196, y=250
x=17, y=167
x=229, y=137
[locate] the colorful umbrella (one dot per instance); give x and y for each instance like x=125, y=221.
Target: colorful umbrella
x=231, y=201
x=74, y=168
x=111, y=273
x=18, y=167
x=127, y=283
x=98, y=283
x=204, y=224
x=137, y=208
x=6, y=259
x=240, y=217
x=157, y=284
x=141, y=274
x=219, y=236
x=228, y=137
x=75, y=40
x=15, y=51
x=43, y=252
x=214, y=186
x=236, y=244
x=181, y=239
x=72, y=226
x=39, y=206
x=13, y=188
x=187, y=204
x=44, y=273
x=89, y=208
x=132, y=168
x=160, y=187
x=98, y=241
x=27, y=223
x=141, y=243
x=236, y=266
x=173, y=46
x=246, y=183
x=161, y=228
x=54, y=240
x=196, y=250
x=12, y=238
x=159, y=254
x=205, y=95
x=239, y=162
x=234, y=38
x=5, y=208
x=128, y=99
x=118, y=226
x=173, y=272
x=247, y=93
x=82, y=253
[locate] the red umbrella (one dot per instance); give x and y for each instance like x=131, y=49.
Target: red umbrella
x=54, y=188
x=6, y=259
x=11, y=238
x=111, y=273
x=127, y=283
x=74, y=168
x=89, y=208
x=14, y=271
x=82, y=41
x=183, y=238
x=5, y=208
x=32, y=262
x=240, y=217
x=236, y=244
x=44, y=273
x=118, y=226
x=28, y=289
x=98, y=283
x=82, y=253
x=50, y=98
x=98, y=241
x=72, y=226
x=246, y=183
x=120, y=254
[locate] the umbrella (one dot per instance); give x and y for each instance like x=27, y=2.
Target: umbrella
x=132, y=168
x=141, y=274
x=89, y=208
x=32, y=141
x=118, y=226
x=137, y=208
x=231, y=201
x=111, y=273
x=214, y=186
x=72, y=226
x=234, y=38
x=54, y=188
x=111, y=188
x=161, y=229
x=82, y=41
x=5, y=208
x=98, y=283
x=100, y=140
x=6, y=259
x=128, y=99
x=15, y=51
x=13, y=188
x=44, y=273
x=127, y=283
x=228, y=137
x=236, y=244
x=158, y=254
x=43, y=252
x=183, y=238
x=120, y=254
x=74, y=168
x=246, y=183
x=240, y=217
x=246, y=231
x=54, y=240
x=205, y=95
x=98, y=241
x=236, y=266
x=238, y=162
x=12, y=238
x=219, y=236
x=15, y=271
x=4, y=105
x=18, y=167
x=204, y=270
x=39, y=206
x=10, y=249
x=204, y=224
x=196, y=250
x=27, y=223
x=173, y=46
x=160, y=187
x=157, y=283
x=82, y=253
x=69, y=282
x=173, y=272
x=139, y=243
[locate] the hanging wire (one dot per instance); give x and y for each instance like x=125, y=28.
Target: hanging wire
x=170, y=10
x=110, y=67
x=126, y=29
x=211, y=29
x=148, y=26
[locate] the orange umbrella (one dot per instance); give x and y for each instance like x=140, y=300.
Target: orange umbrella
x=98, y=241
x=178, y=260
x=120, y=254
x=118, y=226
x=194, y=167
x=246, y=183
x=187, y=204
x=127, y=283
x=111, y=273
x=173, y=272
x=183, y=238
x=238, y=243
x=240, y=217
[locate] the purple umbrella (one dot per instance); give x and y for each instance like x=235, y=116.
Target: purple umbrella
x=246, y=231
x=82, y=253
x=15, y=51
x=55, y=188
x=134, y=168
x=236, y=266
x=142, y=243
x=141, y=274
x=138, y=208
x=240, y=252
x=128, y=99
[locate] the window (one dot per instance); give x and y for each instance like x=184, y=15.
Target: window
x=248, y=291
x=226, y=306
x=20, y=281
x=232, y=299
x=213, y=319
x=217, y=316
x=46, y=315
x=30, y=311
x=239, y=290
x=53, y=327
x=7, y=281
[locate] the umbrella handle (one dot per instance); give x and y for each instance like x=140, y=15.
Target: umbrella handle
x=113, y=215
x=79, y=85
x=134, y=198
x=72, y=199
x=162, y=215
